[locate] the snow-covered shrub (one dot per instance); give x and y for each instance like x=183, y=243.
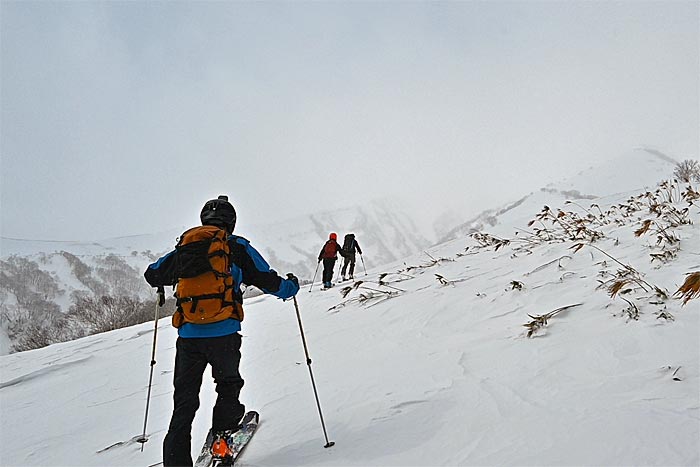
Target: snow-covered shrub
x=108, y=313
x=26, y=281
x=120, y=278
x=687, y=171
x=52, y=328
x=83, y=273
x=27, y=310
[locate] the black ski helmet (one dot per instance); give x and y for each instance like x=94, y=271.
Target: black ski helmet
x=219, y=212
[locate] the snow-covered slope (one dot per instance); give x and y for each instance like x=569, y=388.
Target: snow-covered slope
x=426, y=362
x=639, y=168
x=635, y=170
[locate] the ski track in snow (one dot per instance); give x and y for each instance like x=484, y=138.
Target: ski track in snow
x=52, y=367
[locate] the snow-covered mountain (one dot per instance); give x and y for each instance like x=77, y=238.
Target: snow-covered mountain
x=561, y=342
x=383, y=229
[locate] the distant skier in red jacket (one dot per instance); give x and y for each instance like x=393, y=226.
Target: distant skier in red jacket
x=329, y=254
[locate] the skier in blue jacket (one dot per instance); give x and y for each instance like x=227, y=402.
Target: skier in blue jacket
x=217, y=344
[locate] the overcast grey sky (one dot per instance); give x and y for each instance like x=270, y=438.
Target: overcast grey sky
x=121, y=118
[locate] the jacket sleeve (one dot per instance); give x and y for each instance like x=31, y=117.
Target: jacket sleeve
x=257, y=272
x=320, y=253
x=162, y=272
x=357, y=245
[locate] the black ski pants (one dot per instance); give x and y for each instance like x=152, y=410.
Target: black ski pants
x=349, y=260
x=328, y=266
x=191, y=359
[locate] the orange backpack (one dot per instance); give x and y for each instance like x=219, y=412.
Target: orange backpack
x=204, y=283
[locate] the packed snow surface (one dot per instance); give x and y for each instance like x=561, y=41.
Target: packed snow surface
x=412, y=368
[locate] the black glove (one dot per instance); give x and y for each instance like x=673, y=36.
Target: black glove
x=293, y=278
x=161, y=296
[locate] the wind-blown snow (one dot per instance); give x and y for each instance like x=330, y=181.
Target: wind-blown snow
x=439, y=374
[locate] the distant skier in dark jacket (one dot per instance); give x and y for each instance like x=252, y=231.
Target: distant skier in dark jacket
x=209, y=323
x=350, y=246
x=329, y=254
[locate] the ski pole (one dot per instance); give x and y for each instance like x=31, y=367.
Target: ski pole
x=363, y=263
x=313, y=383
x=159, y=303
x=312, y=280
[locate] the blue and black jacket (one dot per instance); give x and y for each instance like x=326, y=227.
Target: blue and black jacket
x=247, y=267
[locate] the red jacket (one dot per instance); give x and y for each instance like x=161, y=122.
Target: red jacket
x=329, y=250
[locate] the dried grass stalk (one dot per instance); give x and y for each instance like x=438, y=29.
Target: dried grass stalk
x=539, y=321
x=617, y=287
x=632, y=310
x=646, y=225
x=442, y=280
x=690, y=288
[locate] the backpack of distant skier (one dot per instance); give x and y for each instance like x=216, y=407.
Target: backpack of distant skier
x=203, y=273
x=349, y=244
x=329, y=249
